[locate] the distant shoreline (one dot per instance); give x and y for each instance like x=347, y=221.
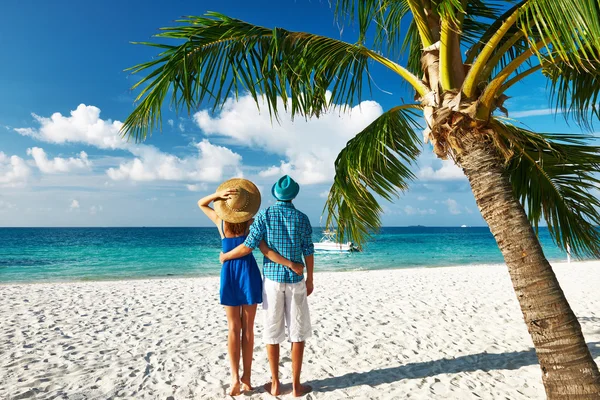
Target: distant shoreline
x=560, y=264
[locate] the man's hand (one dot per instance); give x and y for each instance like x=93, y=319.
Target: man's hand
x=297, y=268
x=222, y=257
x=309, y=287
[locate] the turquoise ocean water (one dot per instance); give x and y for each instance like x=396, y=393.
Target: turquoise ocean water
x=65, y=254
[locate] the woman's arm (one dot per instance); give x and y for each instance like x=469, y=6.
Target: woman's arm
x=279, y=259
x=205, y=201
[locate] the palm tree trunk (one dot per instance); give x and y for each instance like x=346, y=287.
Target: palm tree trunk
x=568, y=369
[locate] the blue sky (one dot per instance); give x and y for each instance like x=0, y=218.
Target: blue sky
x=64, y=94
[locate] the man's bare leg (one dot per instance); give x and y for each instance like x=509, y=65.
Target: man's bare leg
x=297, y=355
x=234, y=322
x=273, y=355
x=248, y=314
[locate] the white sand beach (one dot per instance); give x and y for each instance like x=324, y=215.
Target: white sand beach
x=443, y=333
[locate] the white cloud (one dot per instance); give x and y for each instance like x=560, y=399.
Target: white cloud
x=324, y=194
x=74, y=205
x=83, y=126
x=211, y=164
x=58, y=164
x=308, y=147
x=171, y=123
x=14, y=172
x=534, y=113
x=152, y=199
x=453, y=206
x=198, y=187
x=409, y=210
x=181, y=127
x=5, y=205
x=96, y=209
x=447, y=172
x=421, y=198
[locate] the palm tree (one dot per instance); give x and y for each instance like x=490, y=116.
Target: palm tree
x=517, y=176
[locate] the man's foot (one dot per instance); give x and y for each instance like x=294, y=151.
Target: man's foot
x=246, y=385
x=273, y=388
x=235, y=389
x=301, y=390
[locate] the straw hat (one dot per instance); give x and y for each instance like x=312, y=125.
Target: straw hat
x=241, y=206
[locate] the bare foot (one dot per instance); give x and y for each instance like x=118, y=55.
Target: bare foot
x=301, y=390
x=246, y=385
x=235, y=389
x=273, y=388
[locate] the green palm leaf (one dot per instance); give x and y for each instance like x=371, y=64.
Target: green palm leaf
x=575, y=90
x=571, y=26
x=376, y=160
x=553, y=175
x=221, y=56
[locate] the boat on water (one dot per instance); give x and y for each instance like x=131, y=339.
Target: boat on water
x=328, y=243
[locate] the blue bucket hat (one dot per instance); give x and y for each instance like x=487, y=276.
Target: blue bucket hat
x=285, y=189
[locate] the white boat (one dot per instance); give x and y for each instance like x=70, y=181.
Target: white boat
x=328, y=243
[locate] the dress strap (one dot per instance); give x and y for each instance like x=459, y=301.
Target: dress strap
x=223, y=228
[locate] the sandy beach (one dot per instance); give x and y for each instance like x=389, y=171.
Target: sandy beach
x=443, y=333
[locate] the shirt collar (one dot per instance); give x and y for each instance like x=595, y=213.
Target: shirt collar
x=287, y=204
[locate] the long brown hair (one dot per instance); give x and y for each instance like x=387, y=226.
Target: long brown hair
x=238, y=229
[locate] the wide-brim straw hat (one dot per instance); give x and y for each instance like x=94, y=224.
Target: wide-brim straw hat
x=242, y=206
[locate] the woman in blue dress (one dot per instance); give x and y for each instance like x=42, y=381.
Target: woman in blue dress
x=236, y=201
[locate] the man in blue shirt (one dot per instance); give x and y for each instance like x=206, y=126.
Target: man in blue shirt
x=288, y=232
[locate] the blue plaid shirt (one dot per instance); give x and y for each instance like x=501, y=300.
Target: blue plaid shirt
x=288, y=232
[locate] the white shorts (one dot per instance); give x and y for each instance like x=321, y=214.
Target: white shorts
x=285, y=304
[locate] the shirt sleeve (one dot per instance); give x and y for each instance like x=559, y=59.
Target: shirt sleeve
x=308, y=248
x=257, y=232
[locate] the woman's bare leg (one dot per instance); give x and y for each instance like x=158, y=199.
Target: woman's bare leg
x=248, y=314
x=234, y=322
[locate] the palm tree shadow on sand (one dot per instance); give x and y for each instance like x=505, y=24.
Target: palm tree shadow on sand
x=468, y=363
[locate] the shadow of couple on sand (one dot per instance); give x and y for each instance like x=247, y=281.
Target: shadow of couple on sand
x=467, y=363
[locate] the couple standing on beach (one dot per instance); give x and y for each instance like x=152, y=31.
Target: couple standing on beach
x=284, y=236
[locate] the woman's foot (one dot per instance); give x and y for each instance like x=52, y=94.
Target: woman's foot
x=235, y=389
x=273, y=388
x=246, y=385
x=301, y=390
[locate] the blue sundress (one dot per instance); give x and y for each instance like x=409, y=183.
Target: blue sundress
x=241, y=282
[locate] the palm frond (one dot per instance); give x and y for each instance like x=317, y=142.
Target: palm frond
x=575, y=90
x=554, y=177
x=412, y=47
x=374, y=162
x=572, y=28
x=221, y=56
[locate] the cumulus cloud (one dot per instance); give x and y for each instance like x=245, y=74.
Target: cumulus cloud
x=197, y=187
x=58, y=164
x=96, y=209
x=447, y=172
x=5, y=205
x=84, y=125
x=308, y=147
x=453, y=207
x=409, y=210
x=74, y=205
x=211, y=164
x=14, y=171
